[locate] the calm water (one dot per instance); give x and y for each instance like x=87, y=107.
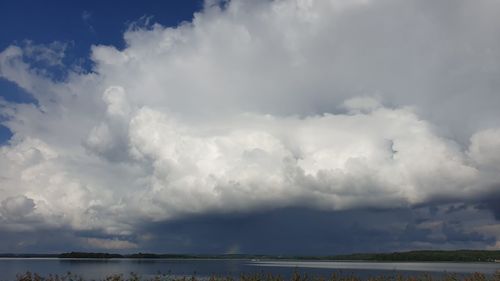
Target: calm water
x=203, y=268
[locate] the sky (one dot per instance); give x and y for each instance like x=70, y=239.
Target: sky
x=289, y=127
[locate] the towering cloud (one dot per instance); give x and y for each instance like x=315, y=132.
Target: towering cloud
x=330, y=105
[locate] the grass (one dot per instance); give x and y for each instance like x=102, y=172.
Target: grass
x=296, y=276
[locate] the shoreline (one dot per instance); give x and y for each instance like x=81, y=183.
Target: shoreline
x=249, y=260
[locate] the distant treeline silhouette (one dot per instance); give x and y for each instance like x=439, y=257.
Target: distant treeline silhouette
x=84, y=255
x=457, y=256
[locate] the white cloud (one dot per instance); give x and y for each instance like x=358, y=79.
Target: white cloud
x=485, y=148
x=327, y=104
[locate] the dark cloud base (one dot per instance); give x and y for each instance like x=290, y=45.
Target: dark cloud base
x=290, y=231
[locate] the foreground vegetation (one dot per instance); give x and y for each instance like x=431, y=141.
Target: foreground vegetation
x=266, y=277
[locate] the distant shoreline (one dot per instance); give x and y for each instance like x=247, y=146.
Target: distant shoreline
x=411, y=256
x=240, y=259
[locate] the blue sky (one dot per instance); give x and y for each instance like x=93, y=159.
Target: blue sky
x=80, y=24
x=278, y=127
x=85, y=22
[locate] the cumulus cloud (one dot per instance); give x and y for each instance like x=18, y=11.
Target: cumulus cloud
x=260, y=104
x=483, y=146
x=17, y=207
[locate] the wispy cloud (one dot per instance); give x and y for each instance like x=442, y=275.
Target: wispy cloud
x=87, y=20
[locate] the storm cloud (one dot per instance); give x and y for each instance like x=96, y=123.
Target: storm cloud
x=325, y=108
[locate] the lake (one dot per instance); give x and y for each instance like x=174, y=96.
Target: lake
x=96, y=268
